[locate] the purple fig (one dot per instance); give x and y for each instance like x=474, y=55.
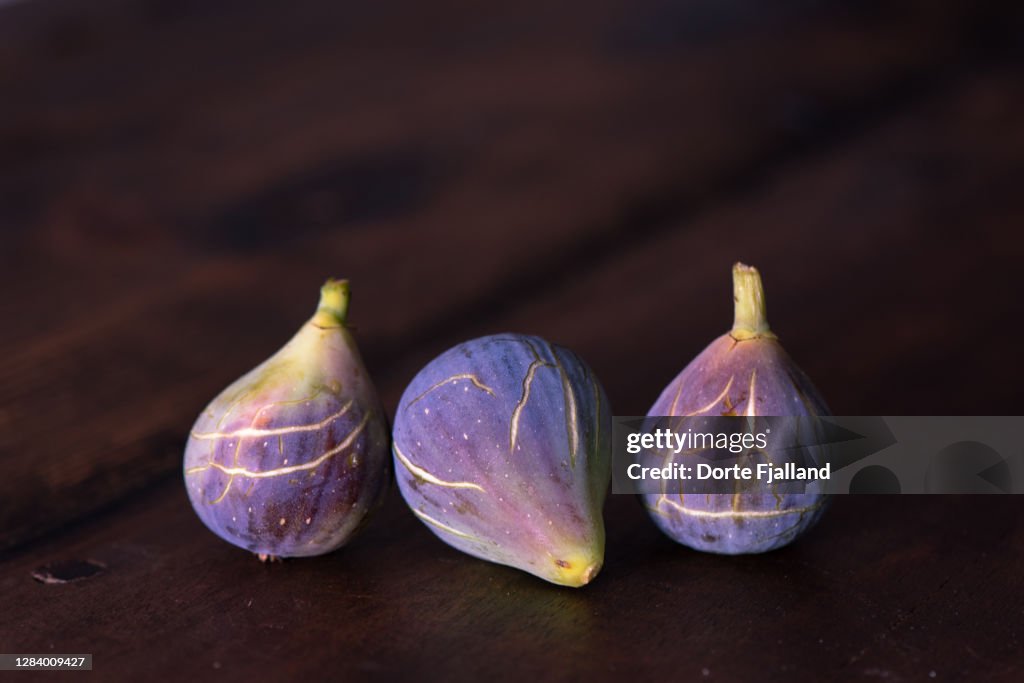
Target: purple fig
x=745, y=372
x=502, y=448
x=290, y=459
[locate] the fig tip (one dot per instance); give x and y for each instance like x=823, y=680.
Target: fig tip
x=577, y=570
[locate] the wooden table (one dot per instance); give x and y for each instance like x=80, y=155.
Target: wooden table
x=177, y=178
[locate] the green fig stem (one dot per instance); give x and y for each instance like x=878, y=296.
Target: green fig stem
x=751, y=321
x=333, y=308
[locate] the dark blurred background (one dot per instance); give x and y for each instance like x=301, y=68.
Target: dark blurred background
x=178, y=177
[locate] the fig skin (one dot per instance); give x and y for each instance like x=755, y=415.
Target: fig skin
x=502, y=448
x=745, y=372
x=290, y=459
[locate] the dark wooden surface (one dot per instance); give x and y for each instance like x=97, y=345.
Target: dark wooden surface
x=177, y=178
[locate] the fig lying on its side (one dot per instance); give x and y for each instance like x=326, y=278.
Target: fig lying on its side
x=289, y=460
x=744, y=372
x=502, y=448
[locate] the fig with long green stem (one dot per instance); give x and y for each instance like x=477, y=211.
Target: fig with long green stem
x=290, y=459
x=745, y=372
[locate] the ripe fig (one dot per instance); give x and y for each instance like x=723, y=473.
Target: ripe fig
x=290, y=459
x=502, y=448
x=745, y=372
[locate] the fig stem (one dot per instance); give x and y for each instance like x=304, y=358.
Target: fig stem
x=333, y=308
x=751, y=321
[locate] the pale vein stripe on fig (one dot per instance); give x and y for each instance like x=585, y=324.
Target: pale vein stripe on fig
x=288, y=402
x=570, y=410
x=732, y=513
x=513, y=426
x=250, y=392
x=455, y=378
x=752, y=395
x=311, y=465
x=751, y=411
x=444, y=527
x=426, y=476
x=718, y=399
x=252, y=424
x=273, y=431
